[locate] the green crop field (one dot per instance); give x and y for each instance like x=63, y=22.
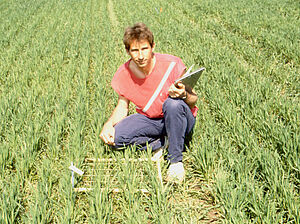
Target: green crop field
x=57, y=58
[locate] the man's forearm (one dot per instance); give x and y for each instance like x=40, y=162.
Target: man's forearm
x=119, y=113
x=117, y=116
x=191, y=99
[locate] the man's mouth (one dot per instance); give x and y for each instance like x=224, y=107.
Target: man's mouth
x=142, y=62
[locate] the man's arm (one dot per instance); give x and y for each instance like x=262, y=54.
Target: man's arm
x=184, y=92
x=121, y=111
x=191, y=96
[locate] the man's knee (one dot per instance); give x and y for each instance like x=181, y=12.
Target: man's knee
x=174, y=106
x=124, y=136
x=119, y=141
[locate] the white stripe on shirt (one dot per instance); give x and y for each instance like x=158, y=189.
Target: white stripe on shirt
x=160, y=86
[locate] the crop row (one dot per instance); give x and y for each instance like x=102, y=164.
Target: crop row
x=246, y=93
x=57, y=60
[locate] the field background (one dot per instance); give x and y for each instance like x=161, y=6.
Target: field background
x=57, y=58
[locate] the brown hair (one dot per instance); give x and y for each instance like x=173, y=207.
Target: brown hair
x=138, y=31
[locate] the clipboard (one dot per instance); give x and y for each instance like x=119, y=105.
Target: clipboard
x=190, y=78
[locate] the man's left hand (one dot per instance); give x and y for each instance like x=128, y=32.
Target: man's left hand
x=177, y=91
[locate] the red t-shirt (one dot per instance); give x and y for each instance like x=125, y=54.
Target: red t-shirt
x=149, y=94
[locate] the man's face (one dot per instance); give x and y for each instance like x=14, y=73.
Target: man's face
x=141, y=53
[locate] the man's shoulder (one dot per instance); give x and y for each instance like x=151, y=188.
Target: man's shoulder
x=122, y=71
x=120, y=79
x=166, y=58
x=123, y=67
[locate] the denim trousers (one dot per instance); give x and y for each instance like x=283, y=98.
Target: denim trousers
x=143, y=132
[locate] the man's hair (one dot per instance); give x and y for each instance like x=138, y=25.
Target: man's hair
x=138, y=31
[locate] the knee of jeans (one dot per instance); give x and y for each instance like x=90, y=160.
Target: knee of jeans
x=173, y=105
x=119, y=141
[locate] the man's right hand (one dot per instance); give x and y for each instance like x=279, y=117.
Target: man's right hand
x=108, y=134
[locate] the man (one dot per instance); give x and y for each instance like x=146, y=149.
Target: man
x=163, y=109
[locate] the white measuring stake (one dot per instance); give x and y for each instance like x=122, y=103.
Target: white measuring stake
x=75, y=169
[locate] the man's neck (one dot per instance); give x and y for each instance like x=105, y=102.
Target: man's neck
x=142, y=72
x=149, y=68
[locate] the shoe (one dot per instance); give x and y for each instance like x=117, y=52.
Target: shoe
x=176, y=173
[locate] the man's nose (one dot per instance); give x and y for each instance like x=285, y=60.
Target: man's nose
x=141, y=56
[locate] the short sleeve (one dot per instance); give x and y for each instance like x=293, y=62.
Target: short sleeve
x=119, y=80
x=115, y=84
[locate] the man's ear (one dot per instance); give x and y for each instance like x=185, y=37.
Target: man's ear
x=127, y=51
x=153, y=46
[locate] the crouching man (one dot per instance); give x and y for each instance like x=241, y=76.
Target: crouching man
x=163, y=109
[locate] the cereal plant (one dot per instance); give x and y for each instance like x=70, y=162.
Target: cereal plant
x=57, y=60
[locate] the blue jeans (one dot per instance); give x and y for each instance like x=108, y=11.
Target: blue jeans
x=139, y=130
